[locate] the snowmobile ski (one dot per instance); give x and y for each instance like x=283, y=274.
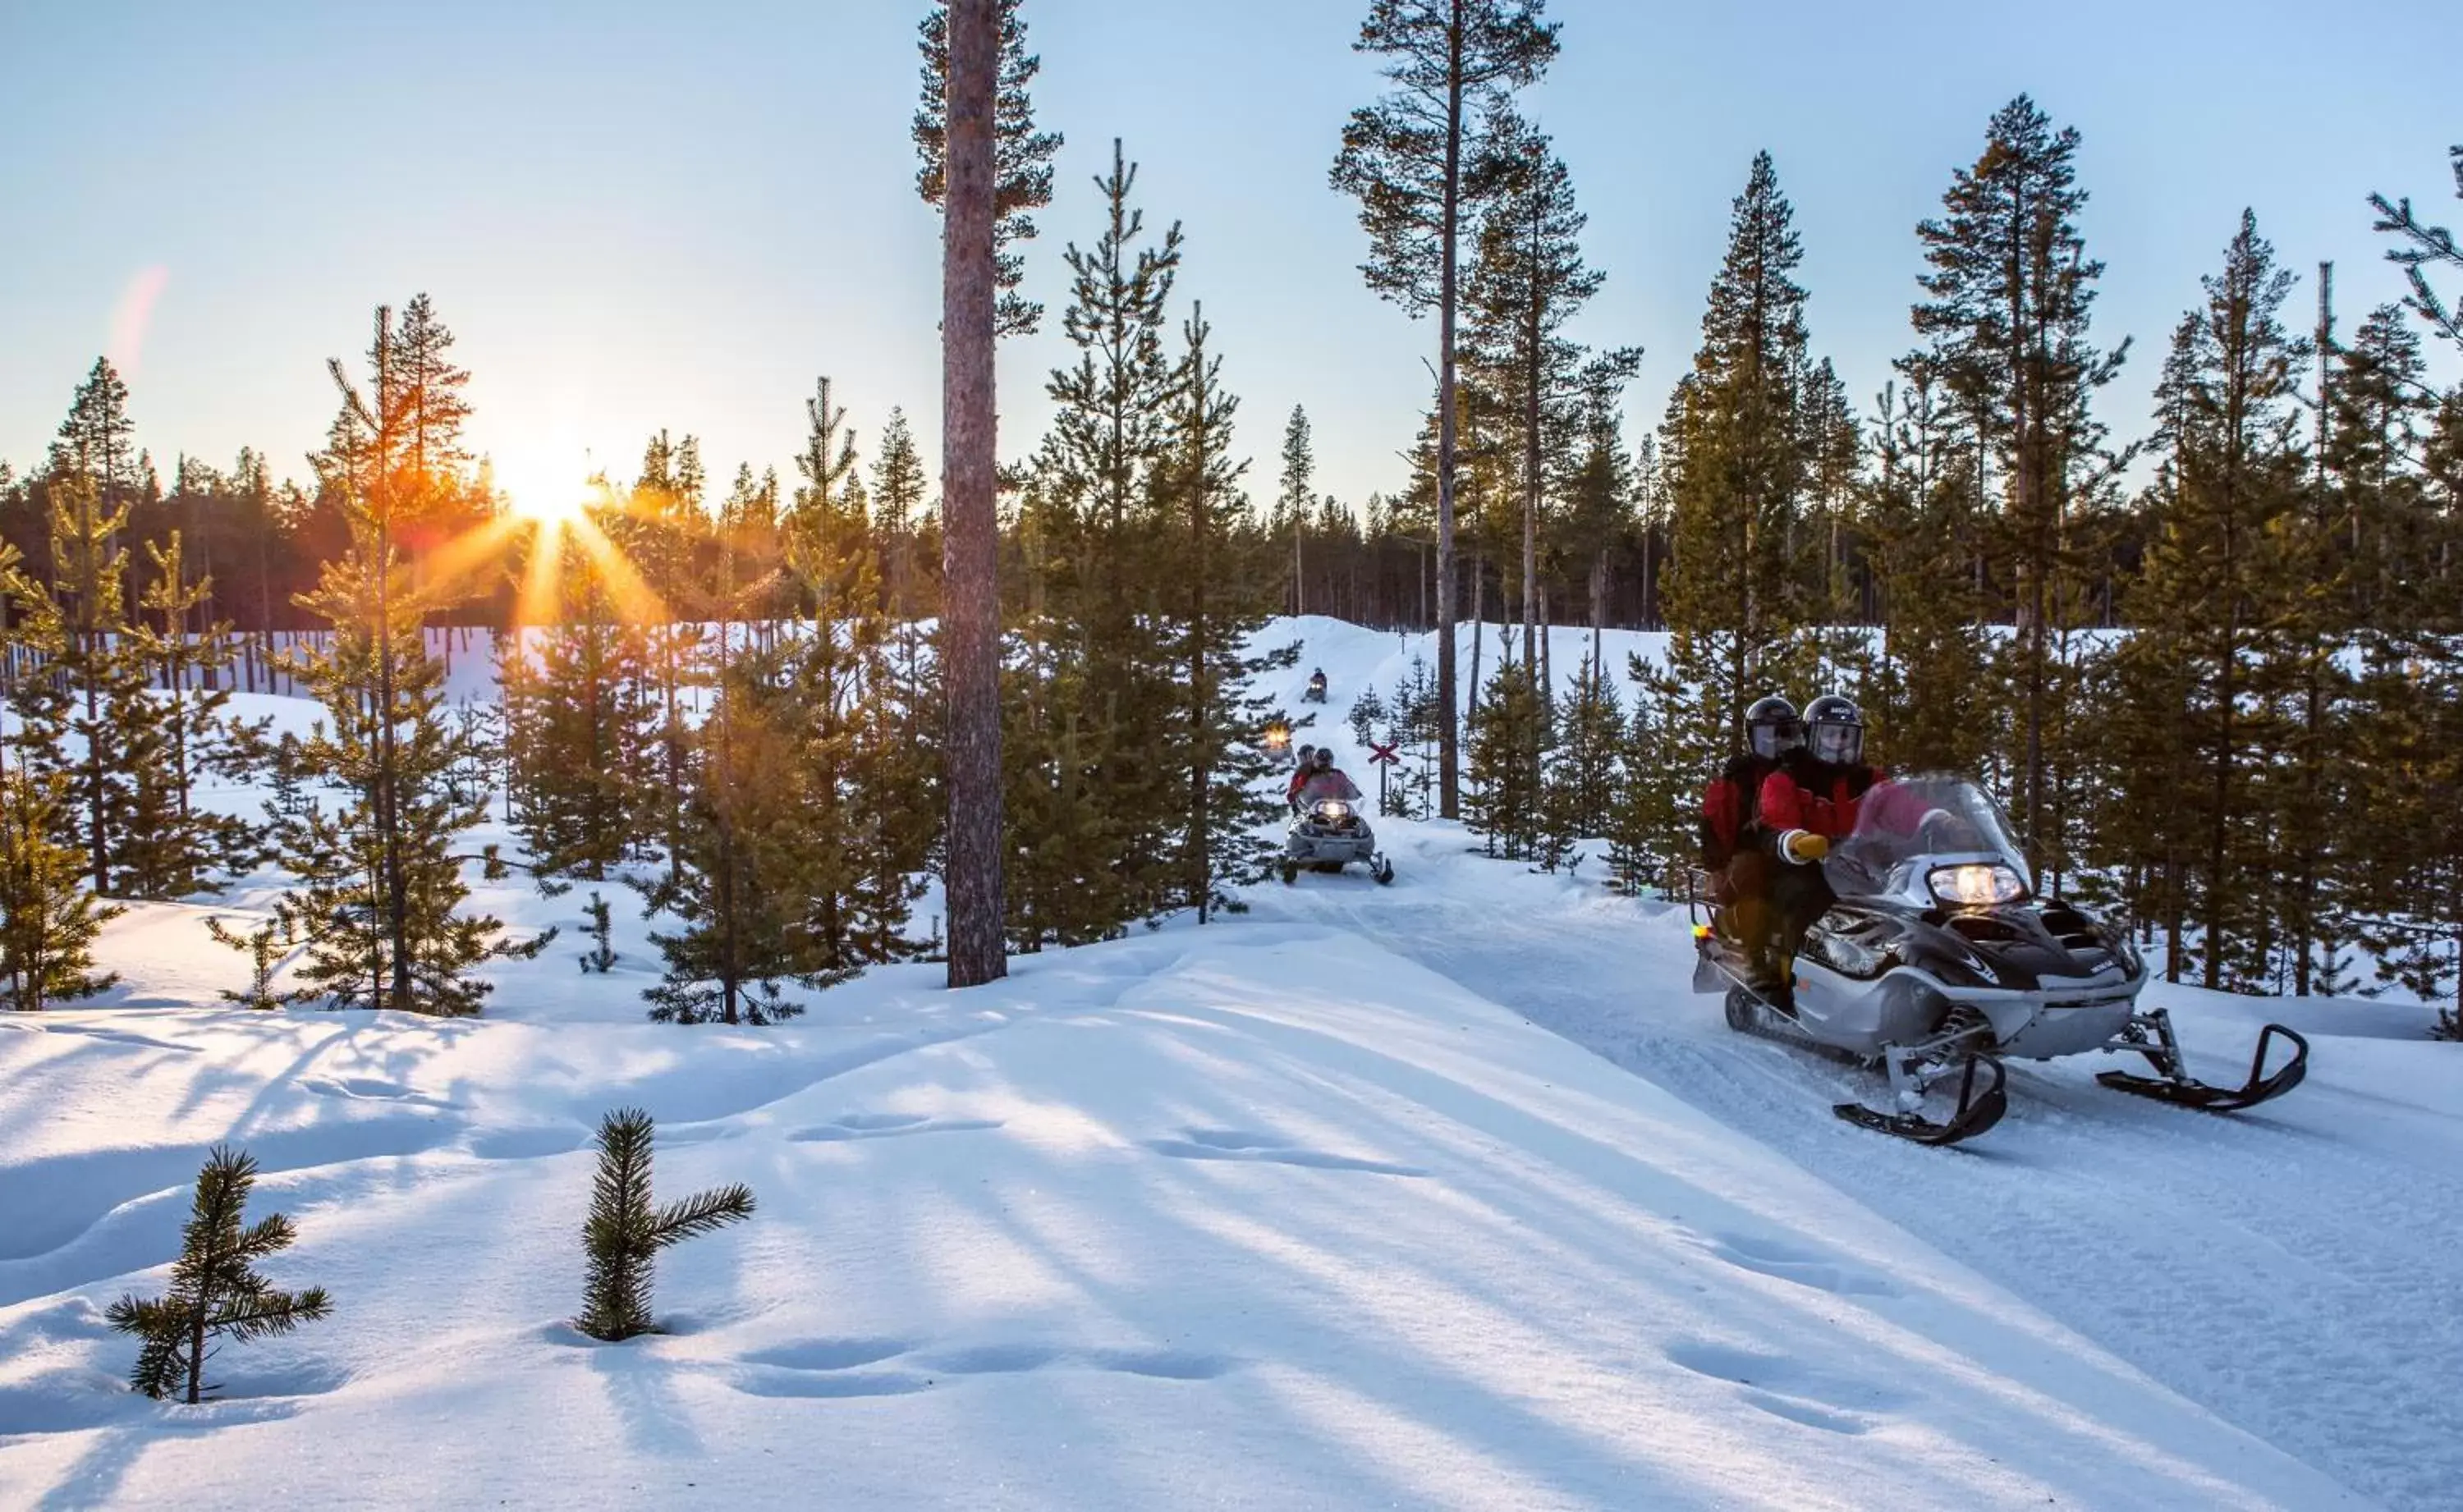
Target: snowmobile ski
x=1976, y=1111
x=2174, y=1085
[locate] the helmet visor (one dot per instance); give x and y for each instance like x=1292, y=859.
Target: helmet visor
x=1773, y=738
x=1842, y=744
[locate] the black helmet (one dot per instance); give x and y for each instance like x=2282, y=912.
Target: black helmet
x=1772, y=728
x=1834, y=731
x=1323, y=759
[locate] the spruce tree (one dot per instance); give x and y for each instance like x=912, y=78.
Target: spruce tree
x=176, y=843
x=1414, y=160
x=48, y=919
x=266, y=948
x=1581, y=778
x=216, y=1292
x=624, y=1232
x=910, y=538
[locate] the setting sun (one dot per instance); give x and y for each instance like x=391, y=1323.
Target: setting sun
x=546, y=485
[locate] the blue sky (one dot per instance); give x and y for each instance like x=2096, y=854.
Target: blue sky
x=637, y=215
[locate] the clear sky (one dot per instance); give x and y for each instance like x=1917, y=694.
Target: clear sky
x=642, y=215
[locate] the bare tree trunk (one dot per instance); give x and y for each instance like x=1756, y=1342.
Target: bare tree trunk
x=970, y=562
x=1449, y=756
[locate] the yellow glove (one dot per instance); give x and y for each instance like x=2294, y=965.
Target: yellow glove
x=1803, y=847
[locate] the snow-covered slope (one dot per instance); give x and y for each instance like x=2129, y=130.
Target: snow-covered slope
x=1441, y=1195
x=1255, y=1216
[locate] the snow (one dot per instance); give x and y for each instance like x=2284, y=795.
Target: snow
x=1444, y=1194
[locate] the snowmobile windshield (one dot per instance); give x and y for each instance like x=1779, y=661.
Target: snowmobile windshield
x=1932, y=840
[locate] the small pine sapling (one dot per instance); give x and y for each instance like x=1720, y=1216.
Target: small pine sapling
x=1367, y=712
x=601, y=928
x=265, y=946
x=624, y=1232
x=216, y=1289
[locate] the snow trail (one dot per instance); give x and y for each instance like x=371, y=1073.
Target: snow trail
x=2292, y=1269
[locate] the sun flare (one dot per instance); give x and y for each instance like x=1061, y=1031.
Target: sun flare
x=544, y=488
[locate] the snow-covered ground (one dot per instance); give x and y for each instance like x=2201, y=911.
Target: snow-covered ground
x=1442, y=1195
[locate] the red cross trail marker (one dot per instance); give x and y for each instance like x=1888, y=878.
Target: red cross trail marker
x=1383, y=755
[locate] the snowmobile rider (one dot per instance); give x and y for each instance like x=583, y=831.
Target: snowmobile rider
x=1319, y=780
x=1733, y=847
x=1808, y=803
x=1316, y=684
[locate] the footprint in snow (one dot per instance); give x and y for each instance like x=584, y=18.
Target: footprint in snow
x=883, y=1126
x=1232, y=1144
x=836, y=1368
x=1783, y=1387
x=1802, y=1265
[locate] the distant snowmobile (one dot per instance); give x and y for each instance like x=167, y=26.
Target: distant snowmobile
x=1316, y=693
x=1276, y=742
x=1328, y=834
x=1937, y=960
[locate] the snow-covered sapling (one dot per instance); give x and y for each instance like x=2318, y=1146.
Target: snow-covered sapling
x=216, y=1289
x=625, y=1232
x=601, y=928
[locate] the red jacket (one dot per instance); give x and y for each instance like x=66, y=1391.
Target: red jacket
x=1727, y=807
x=1815, y=797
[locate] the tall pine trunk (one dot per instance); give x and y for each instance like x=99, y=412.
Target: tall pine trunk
x=969, y=563
x=1448, y=758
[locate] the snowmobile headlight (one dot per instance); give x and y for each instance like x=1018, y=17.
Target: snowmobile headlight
x=1333, y=810
x=1975, y=885
x=1278, y=739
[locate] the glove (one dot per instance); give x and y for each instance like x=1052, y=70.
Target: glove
x=1803, y=847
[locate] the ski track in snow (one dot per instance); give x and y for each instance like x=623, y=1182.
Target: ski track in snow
x=2294, y=1269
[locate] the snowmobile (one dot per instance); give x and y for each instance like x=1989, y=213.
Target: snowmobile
x=1276, y=742
x=1936, y=960
x=1328, y=834
x=1316, y=693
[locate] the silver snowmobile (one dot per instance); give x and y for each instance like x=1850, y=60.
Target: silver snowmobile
x=1327, y=834
x=1937, y=960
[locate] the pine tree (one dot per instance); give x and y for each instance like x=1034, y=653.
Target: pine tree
x=624, y=1232
x=2210, y=588
x=176, y=843
x=266, y=948
x=1110, y=688
x=1738, y=471
x=1927, y=689
x=863, y=766
x=662, y=530
x=582, y=729
x=1508, y=746
x=90, y=720
x=599, y=924
x=2010, y=293
x=910, y=538
x=966, y=96
x=1295, y=499
x=215, y=1290
x=1220, y=606
x=2425, y=246
x=380, y=882
x=48, y=919
x=1022, y=156
x=1528, y=280
x=1581, y=778
x=1414, y=160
